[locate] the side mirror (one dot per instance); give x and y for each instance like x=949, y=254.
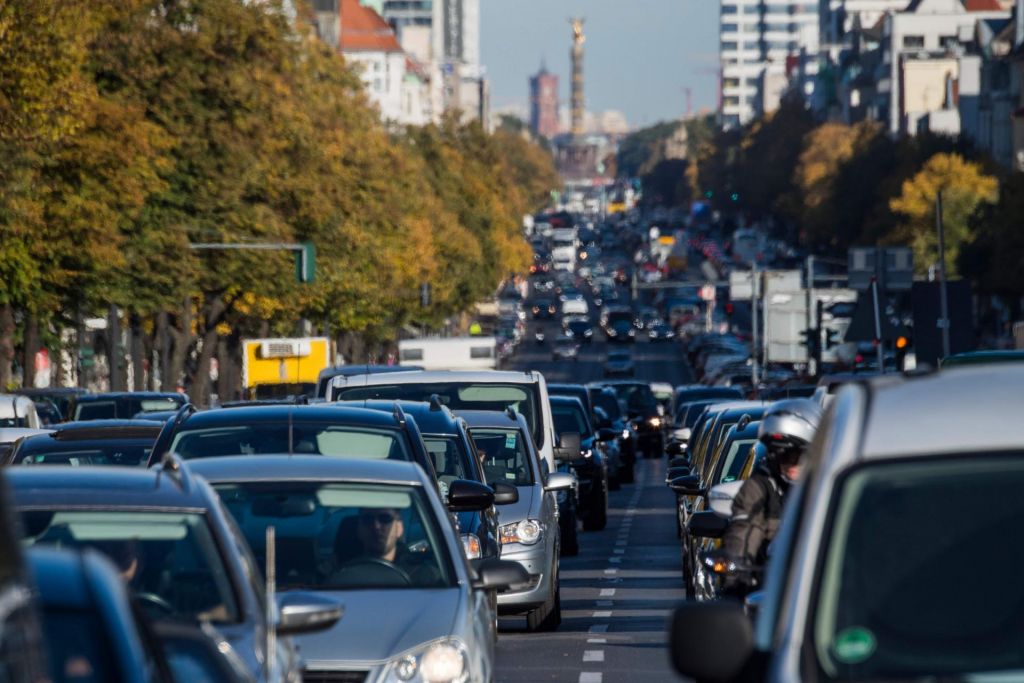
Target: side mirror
x=682, y=434
x=720, y=497
x=505, y=493
x=469, y=496
x=198, y=654
x=675, y=448
x=560, y=481
x=305, y=613
x=711, y=641
x=568, y=446
x=500, y=575
x=707, y=525
x=688, y=485
x=677, y=473
x=679, y=461
x=605, y=434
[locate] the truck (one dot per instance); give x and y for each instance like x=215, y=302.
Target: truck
x=281, y=367
x=564, y=243
x=449, y=353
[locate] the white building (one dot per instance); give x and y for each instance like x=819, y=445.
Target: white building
x=921, y=51
x=393, y=81
x=765, y=48
x=841, y=18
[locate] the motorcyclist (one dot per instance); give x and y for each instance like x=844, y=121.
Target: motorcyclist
x=786, y=429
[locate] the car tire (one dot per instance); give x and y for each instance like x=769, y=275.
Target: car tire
x=570, y=535
x=548, y=616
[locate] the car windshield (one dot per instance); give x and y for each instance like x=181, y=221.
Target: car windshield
x=123, y=453
x=494, y=396
x=636, y=396
x=608, y=403
x=304, y=438
x=342, y=536
x=569, y=418
x=169, y=560
x=919, y=578
x=451, y=460
x=504, y=454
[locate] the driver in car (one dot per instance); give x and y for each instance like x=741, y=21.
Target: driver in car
x=379, y=531
x=379, y=545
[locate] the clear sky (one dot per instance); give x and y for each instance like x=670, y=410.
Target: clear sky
x=640, y=54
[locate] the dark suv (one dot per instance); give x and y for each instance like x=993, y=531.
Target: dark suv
x=179, y=551
x=643, y=409
x=590, y=467
x=332, y=430
x=122, y=405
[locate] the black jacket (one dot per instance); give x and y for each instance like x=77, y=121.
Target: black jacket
x=756, y=512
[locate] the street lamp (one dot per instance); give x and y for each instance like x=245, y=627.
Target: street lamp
x=943, y=295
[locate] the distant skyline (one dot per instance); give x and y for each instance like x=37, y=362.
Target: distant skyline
x=640, y=54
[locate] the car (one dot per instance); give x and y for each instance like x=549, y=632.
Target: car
x=9, y=436
x=608, y=414
x=543, y=309
x=589, y=465
x=18, y=412
x=659, y=331
x=93, y=442
x=374, y=536
x=618, y=323
x=619, y=363
x=58, y=396
x=566, y=348
x=529, y=528
x=873, y=575
x=643, y=409
x=526, y=392
x=182, y=557
x=122, y=404
x=688, y=393
x=335, y=431
x=327, y=374
x=579, y=328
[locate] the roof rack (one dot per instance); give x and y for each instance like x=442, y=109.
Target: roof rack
x=511, y=412
x=183, y=412
x=436, y=403
x=744, y=422
x=399, y=414
x=175, y=468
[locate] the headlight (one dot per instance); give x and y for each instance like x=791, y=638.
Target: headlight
x=471, y=546
x=443, y=661
x=588, y=453
x=527, y=532
x=612, y=333
x=625, y=433
x=654, y=421
x=588, y=333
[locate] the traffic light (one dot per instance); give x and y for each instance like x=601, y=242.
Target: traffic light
x=831, y=338
x=902, y=344
x=735, y=196
x=709, y=194
x=729, y=308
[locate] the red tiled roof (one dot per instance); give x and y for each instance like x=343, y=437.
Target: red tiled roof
x=982, y=5
x=362, y=29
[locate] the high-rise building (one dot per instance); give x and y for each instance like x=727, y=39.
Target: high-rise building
x=544, y=103
x=766, y=48
x=841, y=18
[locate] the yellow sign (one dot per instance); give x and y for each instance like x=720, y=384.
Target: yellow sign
x=616, y=207
x=284, y=361
x=667, y=240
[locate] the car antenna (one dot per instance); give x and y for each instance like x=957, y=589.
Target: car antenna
x=510, y=411
x=291, y=431
x=435, y=402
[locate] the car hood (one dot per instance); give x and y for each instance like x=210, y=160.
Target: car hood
x=518, y=510
x=401, y=619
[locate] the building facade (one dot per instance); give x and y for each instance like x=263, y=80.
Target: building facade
x=766, y=48
x=544, y=104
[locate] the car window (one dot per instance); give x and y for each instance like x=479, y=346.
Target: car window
x=169, y=560
x=608, y=404
x=154, y=405
x=505, y=456
x=570, y=418
x=450, y=460
x=303, y=438
x=735, y=457
x=523, y=398
x=96, y=410
x=125, y=455
x=342, y=536
x=900, y=596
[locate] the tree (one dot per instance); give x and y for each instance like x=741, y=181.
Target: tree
x=993, y=260
x=964, y=187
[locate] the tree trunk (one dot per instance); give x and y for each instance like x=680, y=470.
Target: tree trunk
x=228, y=379
x=181, y=343
x=213, y=314
x=138, y=352
x=115, y=354
x=30, y=346
x=6, y=345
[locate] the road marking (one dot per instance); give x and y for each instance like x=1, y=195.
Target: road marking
x=611, y=570
x=630, y=511
x=619, y=551
x=590, y=677
x=602, y=614
x=616, y=560
x=621, y=544
x=607, y=592
x=593, y=655
x=597, y=641
x=599, y=628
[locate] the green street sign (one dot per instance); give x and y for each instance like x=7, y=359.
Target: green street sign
x=305, y=262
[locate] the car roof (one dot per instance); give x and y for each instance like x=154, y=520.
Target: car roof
x=307, y=468
x=105, y=487
x=106, y=429
x=971, y=409
x=429, y=418
x=321, y=412
x=982, y=357
x=559, y=400
x=82, y=398
x=440, y=376
x=491, y=418
x=349, y=370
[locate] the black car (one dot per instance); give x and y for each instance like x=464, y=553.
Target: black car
x=122, y=405
x=590, y=468
x=643, y=409
x=580, y=329
x=454, y=457
x=619, y=324
x=180, y=555
x=612, y=417
x=61, y=397
x=94, y=442
x=332, y=430
x=659, y=331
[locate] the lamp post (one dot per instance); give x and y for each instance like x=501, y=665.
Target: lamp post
x=943, y=295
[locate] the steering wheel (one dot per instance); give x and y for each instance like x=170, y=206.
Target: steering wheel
x=153, y=600
x=373, y=565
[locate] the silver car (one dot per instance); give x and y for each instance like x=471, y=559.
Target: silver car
x=899, y=553
x=374, y=536
x=529, y=528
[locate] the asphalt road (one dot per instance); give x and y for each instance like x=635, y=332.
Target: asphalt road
x=619, y=592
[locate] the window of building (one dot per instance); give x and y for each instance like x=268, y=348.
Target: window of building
x=728, y=44
x=731, y=101
x=377, y=85
x=729, y=28
x=913, y=41
x=728, y=9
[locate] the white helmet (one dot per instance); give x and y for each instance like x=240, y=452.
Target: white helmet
x=789, y=424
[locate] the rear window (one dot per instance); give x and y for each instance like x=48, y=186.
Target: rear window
x=300, y=438
x=96, y=410
x=504, y=454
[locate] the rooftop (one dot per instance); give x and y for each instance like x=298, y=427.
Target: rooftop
x=306, y=468
x=363, y=30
